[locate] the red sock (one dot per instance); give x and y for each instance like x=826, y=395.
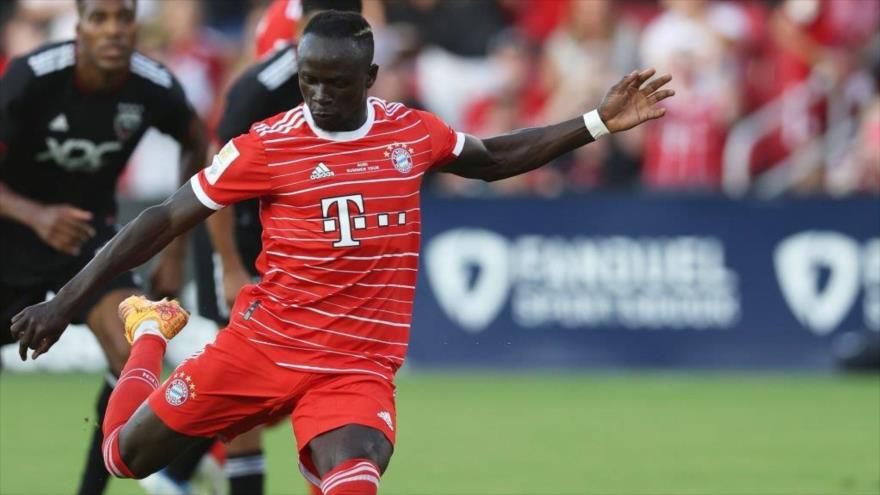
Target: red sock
x=138, y=380
x=352, y=477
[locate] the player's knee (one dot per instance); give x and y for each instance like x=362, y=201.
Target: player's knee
x=379, y=451
x=130, y=459
x=120, y=458
x=367, y=443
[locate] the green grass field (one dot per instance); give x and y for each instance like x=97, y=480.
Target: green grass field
x=477, y=433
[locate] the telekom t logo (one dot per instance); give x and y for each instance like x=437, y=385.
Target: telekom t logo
x=345, y=220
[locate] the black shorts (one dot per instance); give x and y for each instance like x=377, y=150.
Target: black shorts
x=209, y=271
x=14, y=299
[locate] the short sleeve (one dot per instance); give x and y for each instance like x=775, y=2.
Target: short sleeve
x=176, y=112
x=446, y=144
x=238, y=172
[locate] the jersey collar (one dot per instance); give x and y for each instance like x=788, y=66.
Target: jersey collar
x=342, y=135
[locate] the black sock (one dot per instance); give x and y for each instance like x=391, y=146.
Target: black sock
x=245, y=473
x=183, y=467
x=95, y=477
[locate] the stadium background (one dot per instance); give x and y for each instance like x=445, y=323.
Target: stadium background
x=678, y=309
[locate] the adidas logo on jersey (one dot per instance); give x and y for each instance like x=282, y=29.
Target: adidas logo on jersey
x=321, y=171
x=59, y=124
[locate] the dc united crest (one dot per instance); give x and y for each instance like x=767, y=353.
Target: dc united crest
x=180, y=389
x=401, y=157
x=128, y=120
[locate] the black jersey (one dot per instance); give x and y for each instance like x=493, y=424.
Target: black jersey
x=266, y=89
x=67, y=145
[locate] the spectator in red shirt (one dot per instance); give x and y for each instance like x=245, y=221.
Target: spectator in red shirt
x=690, y=40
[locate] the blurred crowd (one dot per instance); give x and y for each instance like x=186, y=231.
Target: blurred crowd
x=773, y=97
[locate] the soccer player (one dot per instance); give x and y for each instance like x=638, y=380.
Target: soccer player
x=266, y=89
x=322, y=334
x=71, y=115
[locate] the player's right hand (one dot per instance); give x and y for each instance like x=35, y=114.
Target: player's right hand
x=233, y=281
x=38, y=327
x=64, y=227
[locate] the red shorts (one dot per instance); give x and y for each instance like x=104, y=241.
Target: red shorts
x=231, y=387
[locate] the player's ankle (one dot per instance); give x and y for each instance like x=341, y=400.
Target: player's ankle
x=147, y=327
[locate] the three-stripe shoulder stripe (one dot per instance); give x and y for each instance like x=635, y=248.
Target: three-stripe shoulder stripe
x=279, y=71
x=150, y=70
x=293, y=118
x=390, y=109
x=53, y=60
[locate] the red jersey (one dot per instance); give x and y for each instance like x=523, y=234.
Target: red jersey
x=341, y=229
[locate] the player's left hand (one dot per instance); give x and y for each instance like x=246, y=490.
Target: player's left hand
x=631, y=101
x=38, y=327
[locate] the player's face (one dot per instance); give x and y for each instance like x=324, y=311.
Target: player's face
x=334, y=76
x=106, y=33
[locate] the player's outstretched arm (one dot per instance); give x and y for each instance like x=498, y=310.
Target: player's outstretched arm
x=630, y=102
x=38, y=327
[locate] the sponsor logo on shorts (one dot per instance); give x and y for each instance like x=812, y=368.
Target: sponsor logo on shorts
x=180, y=389
x=386, y=417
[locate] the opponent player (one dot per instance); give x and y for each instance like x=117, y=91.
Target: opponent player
x=322, y=334
x=70, y=116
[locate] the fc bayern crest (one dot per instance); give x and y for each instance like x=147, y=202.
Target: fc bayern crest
x=177, y=392
x=401, y=157
x=128, y=120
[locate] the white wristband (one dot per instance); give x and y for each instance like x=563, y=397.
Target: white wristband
x=595, y=125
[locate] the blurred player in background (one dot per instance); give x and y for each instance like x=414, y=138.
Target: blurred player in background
x=279, y=26
x=71, y=114
x=323, y=333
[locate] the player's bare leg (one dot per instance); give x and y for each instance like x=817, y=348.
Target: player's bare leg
x=137, y=443
x=146, y=444
x=351, y=459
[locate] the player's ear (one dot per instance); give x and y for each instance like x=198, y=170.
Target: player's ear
x=371, y=75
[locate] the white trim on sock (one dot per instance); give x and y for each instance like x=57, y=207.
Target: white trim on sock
x=366, y=471
x=244, y=466
x=327, y=488
x=148, y=327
